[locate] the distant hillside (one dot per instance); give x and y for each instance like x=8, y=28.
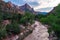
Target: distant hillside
x=9, y=7
x=26, y=7
x=44, y=13
x=12, y=8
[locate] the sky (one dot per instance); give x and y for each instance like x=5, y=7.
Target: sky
x=38, y=5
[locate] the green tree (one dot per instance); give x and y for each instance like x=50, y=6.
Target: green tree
x=27, y=17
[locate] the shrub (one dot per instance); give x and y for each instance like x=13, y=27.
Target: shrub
x=3, y=33
x=13, y=28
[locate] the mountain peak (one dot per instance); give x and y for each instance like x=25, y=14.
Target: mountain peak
x=9, y=2
x=26, y=4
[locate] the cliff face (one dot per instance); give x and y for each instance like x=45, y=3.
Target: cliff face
x=26, y=7
x=9, y=7
x=55, y=10
x=12, y=8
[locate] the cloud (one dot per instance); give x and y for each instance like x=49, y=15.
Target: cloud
x=33, y=4
x=29, y=0
x=38, y=4
x=45, y=9
x=42, y=4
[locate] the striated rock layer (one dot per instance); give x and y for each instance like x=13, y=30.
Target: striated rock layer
x=40, y=33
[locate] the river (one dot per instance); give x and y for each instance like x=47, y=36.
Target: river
x=39, y=33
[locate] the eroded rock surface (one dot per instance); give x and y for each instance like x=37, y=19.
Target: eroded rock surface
x=39, y=33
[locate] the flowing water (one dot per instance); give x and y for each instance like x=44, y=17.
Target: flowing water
x=39, y=33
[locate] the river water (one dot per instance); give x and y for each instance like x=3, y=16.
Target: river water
x=39, y=33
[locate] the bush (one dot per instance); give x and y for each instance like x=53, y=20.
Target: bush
x=3, y=33
x=13, y=28
x=27, y=18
